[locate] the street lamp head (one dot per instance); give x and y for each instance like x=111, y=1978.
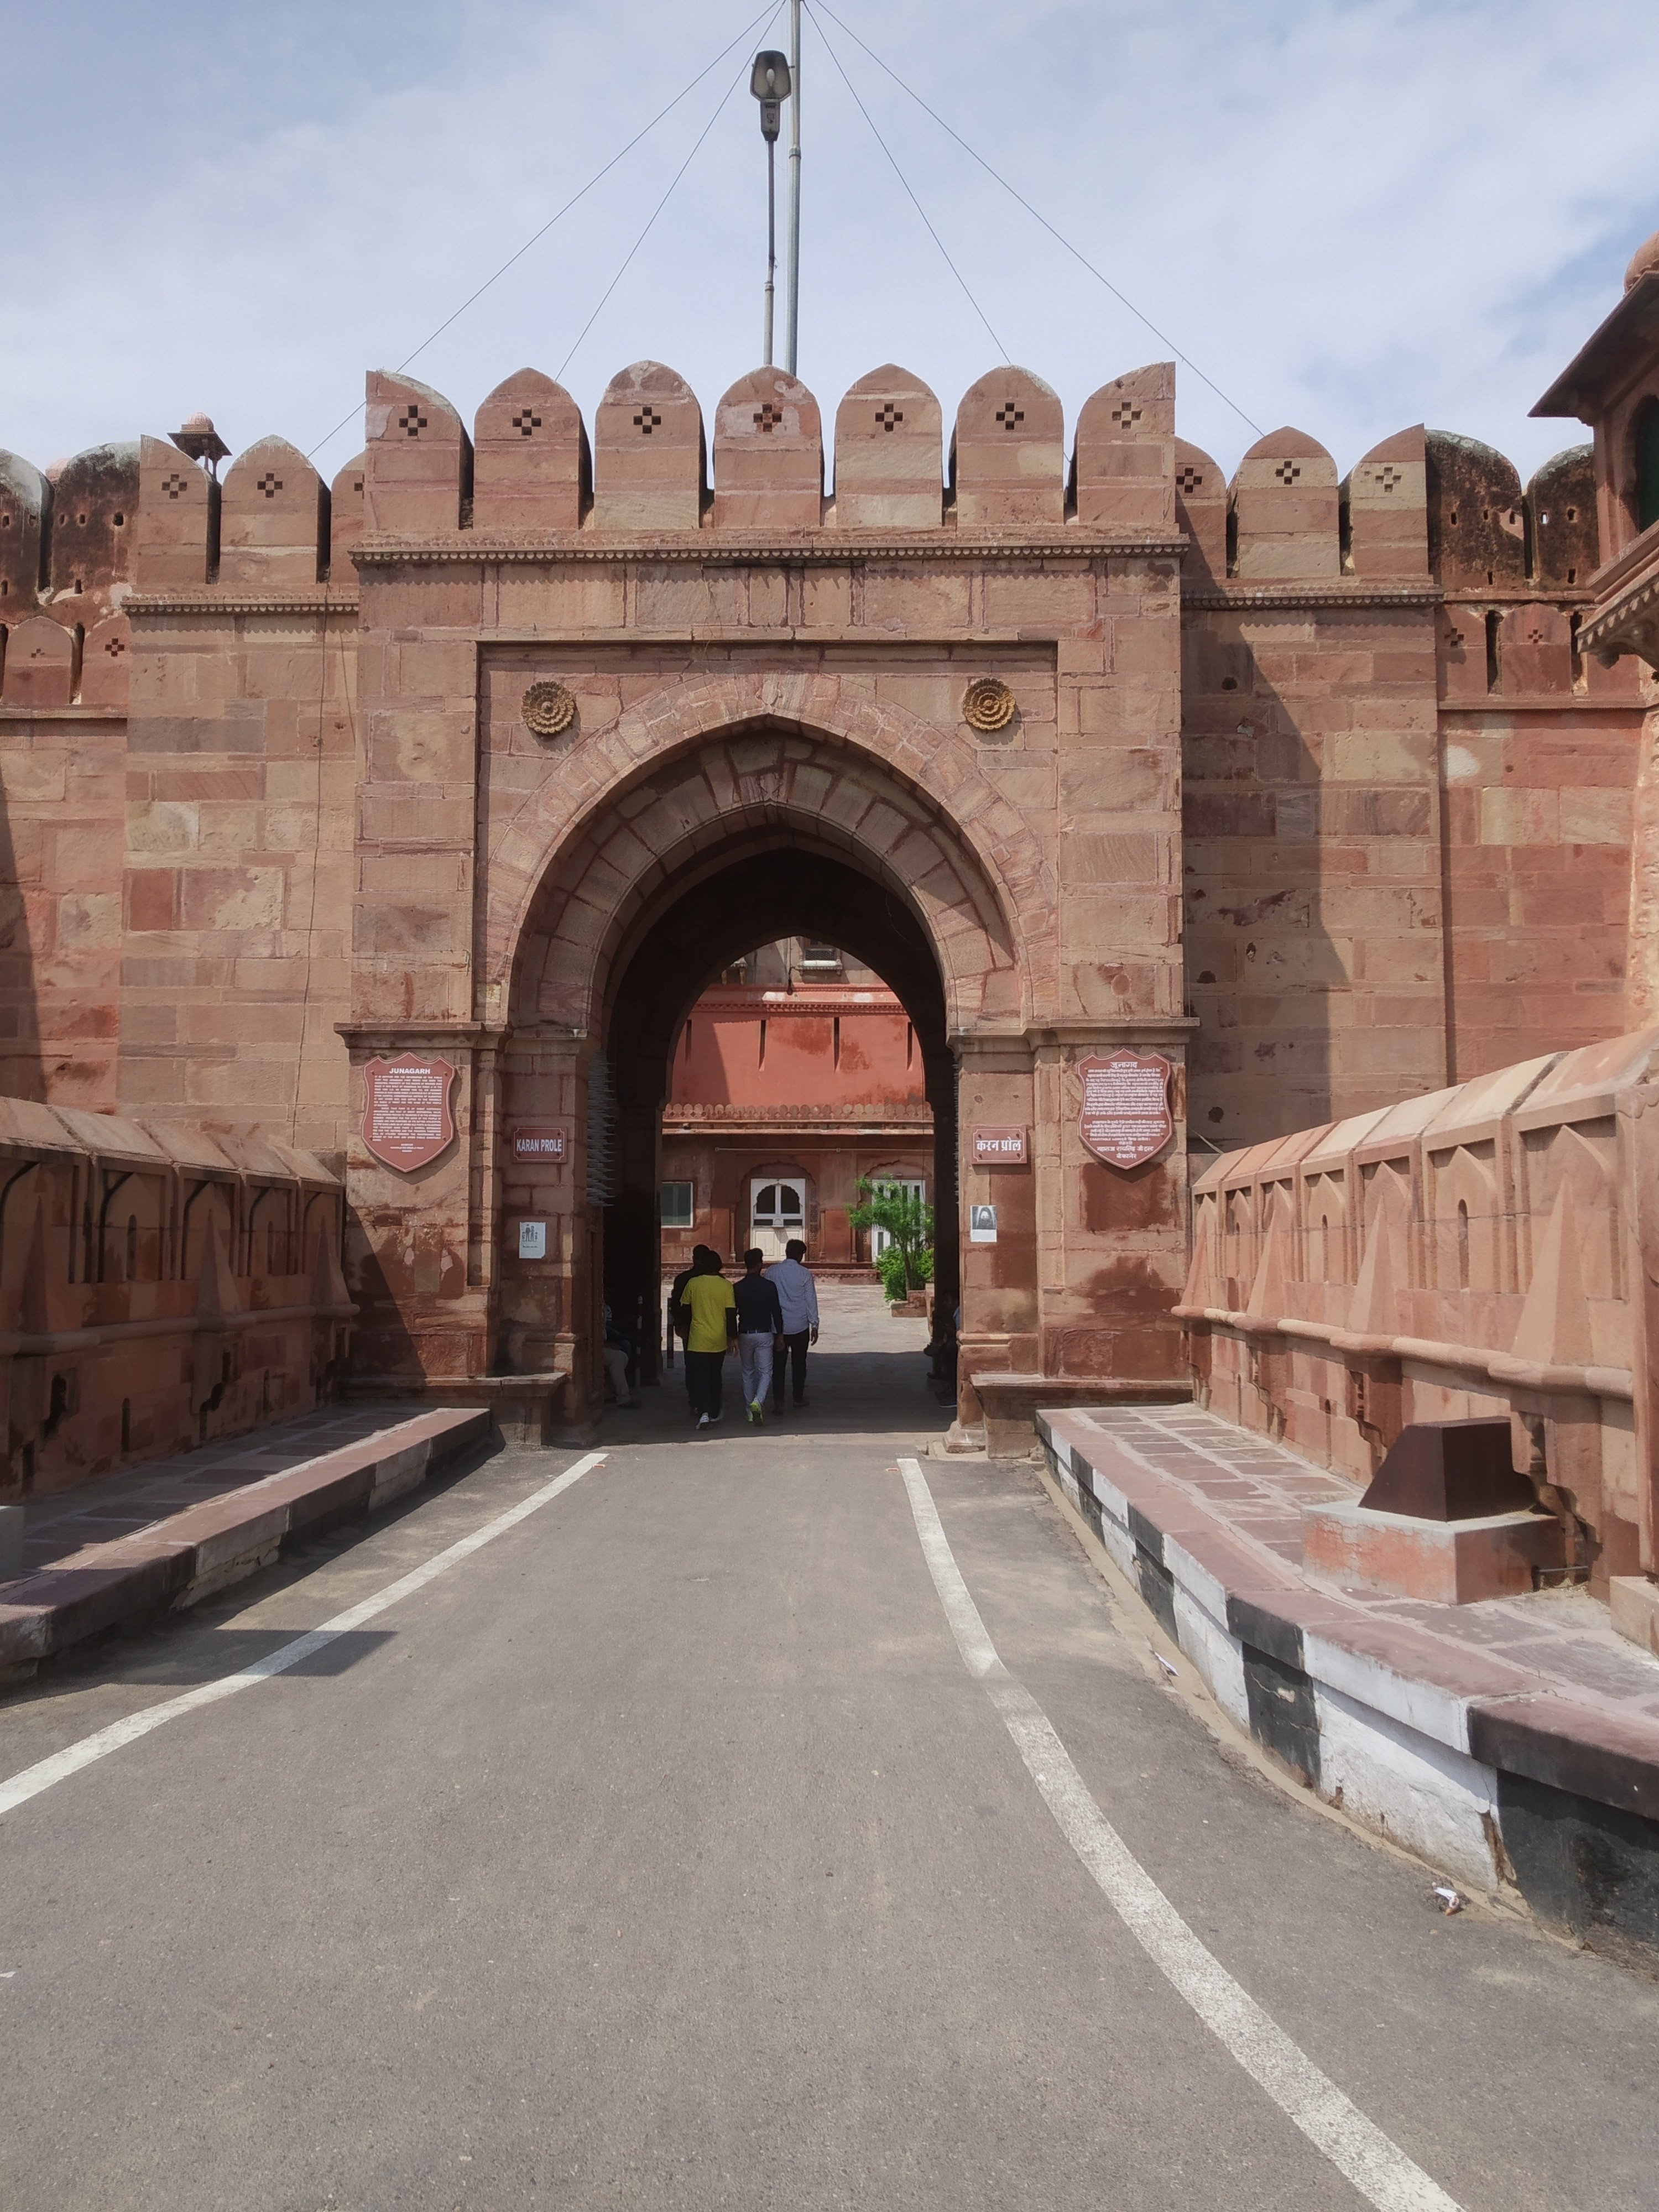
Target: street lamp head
x=769, y=82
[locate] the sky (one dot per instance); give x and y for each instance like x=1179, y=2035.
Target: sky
x=1346, y=215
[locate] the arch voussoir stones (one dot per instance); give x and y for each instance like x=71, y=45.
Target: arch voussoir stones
x=799, y=754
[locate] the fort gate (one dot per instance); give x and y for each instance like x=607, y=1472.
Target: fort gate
x=601, y=763
x=399, y=821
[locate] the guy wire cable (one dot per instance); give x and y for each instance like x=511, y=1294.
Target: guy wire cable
x=905, y=181
x=742, y=39
x=651, y=219
x=816, y=8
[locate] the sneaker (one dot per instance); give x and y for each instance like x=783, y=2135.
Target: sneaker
x=703, y=1420
x=757, y=1412
x=709, y=1419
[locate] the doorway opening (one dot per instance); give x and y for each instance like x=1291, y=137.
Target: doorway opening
x=755, y=860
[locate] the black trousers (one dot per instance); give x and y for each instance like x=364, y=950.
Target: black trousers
x=792, y=1353
x=703, y=1379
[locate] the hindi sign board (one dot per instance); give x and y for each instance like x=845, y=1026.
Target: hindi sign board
x=1124, y=1118
x=406, y=1116
x=999, y=1148
x=544, y=1144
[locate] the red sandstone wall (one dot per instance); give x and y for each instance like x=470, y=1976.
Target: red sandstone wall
x=1407, y=798
x=819, y=1047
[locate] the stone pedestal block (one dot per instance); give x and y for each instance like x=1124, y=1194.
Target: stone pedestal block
x=1441, y=1562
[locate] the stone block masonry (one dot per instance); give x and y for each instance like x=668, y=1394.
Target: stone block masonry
x=1299, y=782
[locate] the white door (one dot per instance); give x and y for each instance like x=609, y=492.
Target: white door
x=777, y=1211
x=879, y=1239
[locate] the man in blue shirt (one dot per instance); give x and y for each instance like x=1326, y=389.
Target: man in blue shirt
x=798, y=1294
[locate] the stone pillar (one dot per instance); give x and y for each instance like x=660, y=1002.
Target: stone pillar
x=544, y=1304
x=1112, y=1241
x=413, y=1239
x=1642, y=973
x=1000, y=1305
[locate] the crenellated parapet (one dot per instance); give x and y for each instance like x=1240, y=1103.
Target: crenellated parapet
x=1424, y=515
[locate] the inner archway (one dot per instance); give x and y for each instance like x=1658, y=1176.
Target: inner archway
x=679, y=867
x=758, y=896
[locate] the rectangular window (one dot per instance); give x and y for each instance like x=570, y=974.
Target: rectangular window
x=679, y=1205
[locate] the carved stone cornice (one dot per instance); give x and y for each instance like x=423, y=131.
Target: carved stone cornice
x=1627, y=617
x=207, y=599
x=1273, y=596
x=731, y=549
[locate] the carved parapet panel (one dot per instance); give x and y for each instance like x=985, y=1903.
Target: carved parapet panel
x=1200, y=510
x=40, y=669
x=1123, y=462
x=889, y=454
x=1561, y=502
x=1385, y=507
x=273, y=517
x=1007, y=454
x=648, y=452
x=1477, y=532
x=177, y=515
x=420, y=458
x=768, y=455
x=25, y=506
x=106, y=664
x=1535, y=652
x=531, y=469
x=1284, y=508
x=346, y=517
x=95, y=526
x=1503, y=1264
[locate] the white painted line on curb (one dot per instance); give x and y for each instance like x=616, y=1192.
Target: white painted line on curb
x=18, y=1788
x=1375, y=2164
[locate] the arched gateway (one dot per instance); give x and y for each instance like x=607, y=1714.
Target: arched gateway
x=602, y=762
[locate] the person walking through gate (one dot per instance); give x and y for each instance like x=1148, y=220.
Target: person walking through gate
x=680, y=1317
x=711, y=1329
x=797, y=1295
x=760, y=1325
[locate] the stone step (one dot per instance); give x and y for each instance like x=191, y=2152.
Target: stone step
x=184, y=1557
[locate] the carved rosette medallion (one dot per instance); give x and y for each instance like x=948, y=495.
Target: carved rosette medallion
x=987, y=705
x=549, y=710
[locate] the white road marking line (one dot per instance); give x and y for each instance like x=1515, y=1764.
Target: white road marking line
x=1372, y=2161
x=18, y=1788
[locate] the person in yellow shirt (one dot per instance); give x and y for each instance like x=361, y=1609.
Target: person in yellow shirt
x=711, y=1328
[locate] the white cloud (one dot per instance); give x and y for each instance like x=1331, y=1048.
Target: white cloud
x=1353, y=216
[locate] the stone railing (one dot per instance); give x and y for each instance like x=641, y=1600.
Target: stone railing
x=159, y=1285
x=1492, y=1249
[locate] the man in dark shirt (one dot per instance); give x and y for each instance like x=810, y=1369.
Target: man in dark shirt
x=760, y=1324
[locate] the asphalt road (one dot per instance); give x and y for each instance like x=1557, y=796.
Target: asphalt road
x=664, y=1853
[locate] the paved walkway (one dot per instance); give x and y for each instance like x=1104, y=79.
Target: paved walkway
x=661, y=1851
x=58, y=1522
x=1257, y=1488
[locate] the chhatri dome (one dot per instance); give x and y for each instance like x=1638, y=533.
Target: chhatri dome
x=1643, y=263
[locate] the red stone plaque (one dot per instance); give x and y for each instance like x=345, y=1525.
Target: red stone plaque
x=999, y=1148
x=545, y=1144
x=406, y=1116
x=1124, y=1118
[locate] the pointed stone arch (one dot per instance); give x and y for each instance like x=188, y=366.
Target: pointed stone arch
x=758, y=760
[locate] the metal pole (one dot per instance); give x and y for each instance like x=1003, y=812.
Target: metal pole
x=794, y=336
x=771, y=247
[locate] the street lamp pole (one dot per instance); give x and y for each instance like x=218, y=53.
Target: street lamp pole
x=793, y=334
x=769, y=82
